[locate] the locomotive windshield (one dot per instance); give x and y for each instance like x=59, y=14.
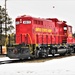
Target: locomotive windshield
x=23, y=22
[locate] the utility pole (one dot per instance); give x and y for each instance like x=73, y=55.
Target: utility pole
x=0, y=33
x=5, y=19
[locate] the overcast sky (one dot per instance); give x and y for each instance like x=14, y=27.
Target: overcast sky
x=64, y=9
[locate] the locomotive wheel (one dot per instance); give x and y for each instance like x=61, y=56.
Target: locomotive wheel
x=62, y=54
x=37, y=54
x=44, y=55
x=74, y=48
x=71, y=51
x=53, y=51
x=53, y=55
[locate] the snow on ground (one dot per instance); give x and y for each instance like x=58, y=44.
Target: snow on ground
x=5, y=58
x=63, y=66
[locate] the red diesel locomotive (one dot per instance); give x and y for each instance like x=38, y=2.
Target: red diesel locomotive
x=39, y=37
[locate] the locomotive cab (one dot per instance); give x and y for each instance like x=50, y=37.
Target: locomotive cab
x=23, y=29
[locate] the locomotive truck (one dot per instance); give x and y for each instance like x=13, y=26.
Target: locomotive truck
x=40, y=37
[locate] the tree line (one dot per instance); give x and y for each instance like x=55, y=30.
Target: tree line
x=5, y=18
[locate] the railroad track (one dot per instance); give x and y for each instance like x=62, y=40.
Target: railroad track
x=8, y=61
x=48, y=58
x=34, y=60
